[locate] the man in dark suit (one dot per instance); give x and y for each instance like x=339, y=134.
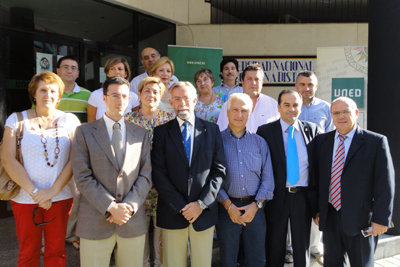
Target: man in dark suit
x=355, y=179
x=288, y=139
x=188, y=169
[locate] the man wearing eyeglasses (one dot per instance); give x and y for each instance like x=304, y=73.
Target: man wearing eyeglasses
x=354, y=177
x=74, y=98
x=112, y=170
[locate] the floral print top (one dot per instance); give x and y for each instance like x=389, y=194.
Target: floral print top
x=139, y=119
x=210, y=112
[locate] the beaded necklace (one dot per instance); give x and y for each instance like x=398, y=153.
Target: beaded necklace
x=56, y=149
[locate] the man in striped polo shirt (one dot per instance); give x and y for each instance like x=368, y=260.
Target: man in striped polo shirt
x=74, y=98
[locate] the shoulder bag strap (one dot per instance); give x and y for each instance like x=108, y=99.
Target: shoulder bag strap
x=19, y=135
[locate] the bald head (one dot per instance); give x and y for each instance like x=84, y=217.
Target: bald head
x=149, y=56
x=344, y=114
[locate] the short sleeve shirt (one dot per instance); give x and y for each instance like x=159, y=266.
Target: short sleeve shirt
x=44, y=176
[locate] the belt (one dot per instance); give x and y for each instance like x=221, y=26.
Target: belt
x=243, y=199
x=296, y=189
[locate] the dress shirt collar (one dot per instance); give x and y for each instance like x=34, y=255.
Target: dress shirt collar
x=110, y=122
x=285, y=126
x=234, y=136
x=349, y=135
x=312, y=102
x=191, y=121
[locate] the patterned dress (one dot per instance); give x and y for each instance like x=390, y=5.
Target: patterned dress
x=139, y=119
x=210, y=112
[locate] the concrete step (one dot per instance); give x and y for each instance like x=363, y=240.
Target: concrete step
x=388, y=246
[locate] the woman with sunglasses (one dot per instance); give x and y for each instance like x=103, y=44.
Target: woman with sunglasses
x=43, y=204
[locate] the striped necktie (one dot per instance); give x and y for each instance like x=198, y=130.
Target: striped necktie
x=337, y=169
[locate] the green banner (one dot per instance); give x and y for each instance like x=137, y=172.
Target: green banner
x=350, y=87
x=188, y=60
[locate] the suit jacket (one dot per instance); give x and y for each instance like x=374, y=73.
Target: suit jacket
x=367, y=182
x=100, y=181
x=178, y=183
x=272, y=133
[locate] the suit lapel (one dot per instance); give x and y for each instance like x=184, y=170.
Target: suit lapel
x=305, y=130
x=100, y=134
x=198, y=130
x=279, y=139
x=328, y=148
x=356, y=143
x=176, y=136
x=130, y=140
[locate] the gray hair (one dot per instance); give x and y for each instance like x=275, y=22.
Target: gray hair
x=352, y=104
x=188, y=85
x=241, y=96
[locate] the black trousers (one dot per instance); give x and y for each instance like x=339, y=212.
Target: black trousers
x=297, y=209
x=337, y=244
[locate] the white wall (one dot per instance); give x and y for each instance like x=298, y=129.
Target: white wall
x=272, y=39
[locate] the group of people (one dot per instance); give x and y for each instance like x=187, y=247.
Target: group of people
x=225, y=159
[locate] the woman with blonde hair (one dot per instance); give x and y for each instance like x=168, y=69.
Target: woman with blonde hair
x=114, y=67
x=149, y=116
x=164, y=69
x=44, y=201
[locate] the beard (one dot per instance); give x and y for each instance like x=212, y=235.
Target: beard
x=183, y=114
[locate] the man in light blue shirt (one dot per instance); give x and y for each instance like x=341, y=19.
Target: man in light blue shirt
x=248, y=184
x=317, y=111
x=289, y=141
x=229, y=68
x=314, y=109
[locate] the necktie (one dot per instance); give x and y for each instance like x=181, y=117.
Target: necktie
x=186, y=139
x=292, y=160
x=116, y=142
x=337, y=169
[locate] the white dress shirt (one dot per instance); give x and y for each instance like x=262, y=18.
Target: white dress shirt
x=109, y=125
x=265, y=111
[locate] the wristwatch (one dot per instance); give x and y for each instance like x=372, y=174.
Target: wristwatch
x=259, y=204
x=202, y=205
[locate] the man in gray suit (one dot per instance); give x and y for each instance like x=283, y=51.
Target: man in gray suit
x=112, y=169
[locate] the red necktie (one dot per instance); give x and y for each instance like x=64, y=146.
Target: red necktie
x=337, y=169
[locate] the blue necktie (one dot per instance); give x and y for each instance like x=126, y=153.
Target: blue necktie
x=186, y=139
x=292, y=160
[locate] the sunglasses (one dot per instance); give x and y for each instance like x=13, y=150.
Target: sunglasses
x=34, y=215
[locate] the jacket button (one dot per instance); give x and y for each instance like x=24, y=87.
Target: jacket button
x=119, y=196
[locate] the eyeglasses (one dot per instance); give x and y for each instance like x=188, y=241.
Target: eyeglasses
x=72, y=68
x=118, y=96
x=34, y=215
x=344, y=112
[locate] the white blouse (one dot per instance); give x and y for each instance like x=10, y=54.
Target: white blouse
x=96, y=100
x=32, y=150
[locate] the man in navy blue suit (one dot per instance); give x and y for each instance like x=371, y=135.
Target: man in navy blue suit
x=355, y=179
x=188, y=163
